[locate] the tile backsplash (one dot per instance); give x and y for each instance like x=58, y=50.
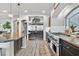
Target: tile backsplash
x=57, y=29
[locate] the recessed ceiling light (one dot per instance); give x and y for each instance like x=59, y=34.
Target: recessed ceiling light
x=43, y=11
x=10, y=15
x=4, y=11
x=26, y=11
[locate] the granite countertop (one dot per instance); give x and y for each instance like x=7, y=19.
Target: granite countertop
x=8, y=39
x=70, y=39
x=4, y=39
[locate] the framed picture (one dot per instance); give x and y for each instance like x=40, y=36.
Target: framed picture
x=41, y=19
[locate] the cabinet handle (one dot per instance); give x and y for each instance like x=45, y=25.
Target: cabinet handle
x=67, y=47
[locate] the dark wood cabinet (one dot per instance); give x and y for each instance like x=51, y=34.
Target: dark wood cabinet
x=17, y=45
x=71, y=48
x=60, y=47
x=20, y=41
x=66, y=52
x=68, y=49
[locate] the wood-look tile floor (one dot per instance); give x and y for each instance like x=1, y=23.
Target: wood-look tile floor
x=35, y=48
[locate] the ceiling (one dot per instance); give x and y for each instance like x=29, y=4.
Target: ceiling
x=32, y=8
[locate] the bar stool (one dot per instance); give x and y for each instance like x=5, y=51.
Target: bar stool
x=4, y=48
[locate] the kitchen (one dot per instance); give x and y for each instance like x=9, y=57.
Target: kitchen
x=59, y=28
x=63, y=40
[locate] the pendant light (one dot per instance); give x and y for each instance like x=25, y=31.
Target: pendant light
x=10, y=14
x=18, y=11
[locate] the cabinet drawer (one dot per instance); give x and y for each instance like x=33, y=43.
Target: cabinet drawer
x=73, y=49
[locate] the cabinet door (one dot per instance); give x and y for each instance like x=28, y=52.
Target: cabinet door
x=72, y=48
x=66, y=52
x=60, y=47
x=64, y=48
x=20, y=42
x=15, y=47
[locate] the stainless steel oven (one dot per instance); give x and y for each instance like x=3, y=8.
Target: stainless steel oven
x=54, y=45
x=53, y=41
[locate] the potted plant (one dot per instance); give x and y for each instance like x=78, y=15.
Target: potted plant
x=73, y=28
x=7, y=26
x=36, y=20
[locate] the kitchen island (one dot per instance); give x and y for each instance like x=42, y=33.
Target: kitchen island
x=10, y=46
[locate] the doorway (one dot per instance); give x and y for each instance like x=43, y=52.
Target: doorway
x=35, y=27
